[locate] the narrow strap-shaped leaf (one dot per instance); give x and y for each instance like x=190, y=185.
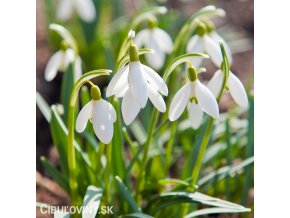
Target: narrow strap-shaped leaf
x=225, y=171
x=136, y=215
x=91, y=201
x=215, y=211
x=118, y=144
x=66, y=90
x=43, y=107
x=127, y=195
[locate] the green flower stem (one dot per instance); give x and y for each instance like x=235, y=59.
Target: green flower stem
x=141, y=176
x=198, y=163
x=108, y=172
x=71, y=157
x=225, y=67
x=75, y=201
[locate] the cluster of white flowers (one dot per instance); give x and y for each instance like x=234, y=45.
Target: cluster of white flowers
x=84, y=8
x=136, y=82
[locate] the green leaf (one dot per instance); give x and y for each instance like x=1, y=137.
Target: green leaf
x=127, y=195
x=249, y=152
x=173, y=182
x=59, y=134
x=118, y=144
x=55, y=174
x=125, y=59
x=225, y=171
x=158, y=202
x=179, y=60
x=91, y=201
x=136, y=215
x=43, y=107
x=215, y=210
x=66, y=90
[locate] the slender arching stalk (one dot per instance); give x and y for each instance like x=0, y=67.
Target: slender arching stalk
x=71, y=150
x=225, y=67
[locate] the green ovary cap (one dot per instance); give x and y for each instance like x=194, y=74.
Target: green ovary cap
x=152, y=23
x=64, y=46
x=191, y=73
x=95, y=93
x=201, y=29
x=133, y=53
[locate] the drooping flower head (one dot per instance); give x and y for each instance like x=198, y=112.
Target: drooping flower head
x=196, y=97
x=206, y=40
x=84, y=8
x=67, y=55
x=102, y=115
x=233, y=85
x=157, y=39
x=135, y=83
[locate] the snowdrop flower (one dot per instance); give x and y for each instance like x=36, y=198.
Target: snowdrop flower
x=136, y=83
x=158, y=40
x=102, y=115
x=59, y=61
x=207, y=40
x=84, y=8
x=233, y=85
x=197, y=98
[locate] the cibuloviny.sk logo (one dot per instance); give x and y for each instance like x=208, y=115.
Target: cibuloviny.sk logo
x=66, y=211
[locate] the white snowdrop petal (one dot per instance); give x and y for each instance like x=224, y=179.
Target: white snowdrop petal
x=195, y=45
x=68, y=58
x=217, y=38
x=85, y=9
x=78, y=68
x=120, y=93
x=120, y=79
x=179, y=102
x=84, y=115
x=156, y=99
x=156, y=59
x=215, y=83
x=163, y=39
x=110, y=109
x=213, y=50
x=53, y=65
x=206, y=100
x=141, y=38
x=130, y=108
x=137, y=83
x=102, y=122
x=237, y=90
x=154, y=79
x=64, y=10
x=195, y=114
